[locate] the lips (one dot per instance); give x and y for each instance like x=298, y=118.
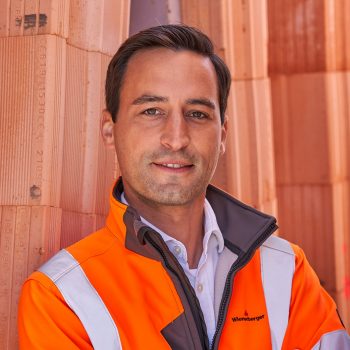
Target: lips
x=173, y=165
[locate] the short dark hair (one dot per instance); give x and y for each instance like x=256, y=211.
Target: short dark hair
x=171, y=36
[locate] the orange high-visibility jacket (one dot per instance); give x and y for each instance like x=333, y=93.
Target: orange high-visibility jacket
x=121, y=288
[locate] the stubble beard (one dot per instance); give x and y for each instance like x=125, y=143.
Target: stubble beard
x=174, y=192
x=171, y=193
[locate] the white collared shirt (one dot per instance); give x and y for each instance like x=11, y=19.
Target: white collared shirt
x=201, y=278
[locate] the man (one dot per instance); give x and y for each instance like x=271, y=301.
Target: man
x=180, y=264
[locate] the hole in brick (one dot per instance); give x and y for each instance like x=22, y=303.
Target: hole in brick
x=35, y=192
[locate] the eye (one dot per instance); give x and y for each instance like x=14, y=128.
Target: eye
x=152, y=111
x=197, y=115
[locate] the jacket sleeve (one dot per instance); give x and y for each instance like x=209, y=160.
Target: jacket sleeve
x=314, y=323
x=45, y=321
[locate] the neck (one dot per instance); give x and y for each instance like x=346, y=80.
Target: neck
x=183, y=222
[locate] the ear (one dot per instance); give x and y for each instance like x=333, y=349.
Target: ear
x=106, y=128
x=223, y=136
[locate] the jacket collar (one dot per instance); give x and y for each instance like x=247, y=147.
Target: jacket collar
x=244, y=228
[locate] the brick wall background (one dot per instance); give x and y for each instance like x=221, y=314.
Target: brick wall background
x=288, y=149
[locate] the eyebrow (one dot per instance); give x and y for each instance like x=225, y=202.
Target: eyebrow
x=201, y=101
x=191, y=101
x=149, y=98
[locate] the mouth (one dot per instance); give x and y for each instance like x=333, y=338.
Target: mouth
x=173, y=166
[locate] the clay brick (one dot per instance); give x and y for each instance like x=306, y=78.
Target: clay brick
x=31, y=123
x=311, y=127
x=341, y=210
x=90, y=165
x=270, y=207
x=6, y=257
x=199, y=13
x=33, y=17
x=247, y=23
x=317, y=219
x=308, y=36
x=98, y=25
x=238, y=30
x=76, y=226
x=337, y=24
x=29, y=236
x=306, y=218
x=297, y=41
x=91, y=25
x=247, y=169
x=338, y=97
x=345, y=43
x=300, y=128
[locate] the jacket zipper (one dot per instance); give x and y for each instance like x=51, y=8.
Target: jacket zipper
x=202, y=327
x=237, y=265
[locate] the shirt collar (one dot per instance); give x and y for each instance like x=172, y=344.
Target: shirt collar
x=211, y=227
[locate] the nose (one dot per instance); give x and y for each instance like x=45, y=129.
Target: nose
x=175, y=134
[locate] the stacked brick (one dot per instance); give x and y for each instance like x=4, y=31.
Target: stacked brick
x=55, y=174
x=239, y=32
x=309, y=64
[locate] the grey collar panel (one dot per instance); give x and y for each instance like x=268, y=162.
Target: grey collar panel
x=244, y=228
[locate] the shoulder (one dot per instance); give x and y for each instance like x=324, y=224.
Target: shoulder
x=277, y=259
x=93, y=245
x=66, y=260
x=279, y=254
x=277, y=250
x=279, y=244
x=90, y=247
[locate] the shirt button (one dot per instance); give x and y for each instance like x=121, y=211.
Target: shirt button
x=200, y=287
x=177, y=250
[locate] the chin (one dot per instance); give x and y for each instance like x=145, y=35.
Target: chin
x=174, y=197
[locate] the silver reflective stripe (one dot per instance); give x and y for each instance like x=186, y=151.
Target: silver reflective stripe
x=83, y=299
x=226, y=260
x=338, y=340
x=277, y=270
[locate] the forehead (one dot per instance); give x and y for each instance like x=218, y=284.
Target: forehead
x=162, y=70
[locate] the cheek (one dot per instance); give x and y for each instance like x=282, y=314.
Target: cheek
x=208, y=143
x=213, y=149
x=123, y=150
x=123, y=136
x=130, y=148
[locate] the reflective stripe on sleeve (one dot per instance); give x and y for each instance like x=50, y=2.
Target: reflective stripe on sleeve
x=83, y=299
x=277, y=270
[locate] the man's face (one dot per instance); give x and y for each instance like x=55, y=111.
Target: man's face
x=168, y=134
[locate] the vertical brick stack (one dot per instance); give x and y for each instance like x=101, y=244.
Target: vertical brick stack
x=96, y=30
x=53, y=58
x=309, y=64
x=239, y=32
